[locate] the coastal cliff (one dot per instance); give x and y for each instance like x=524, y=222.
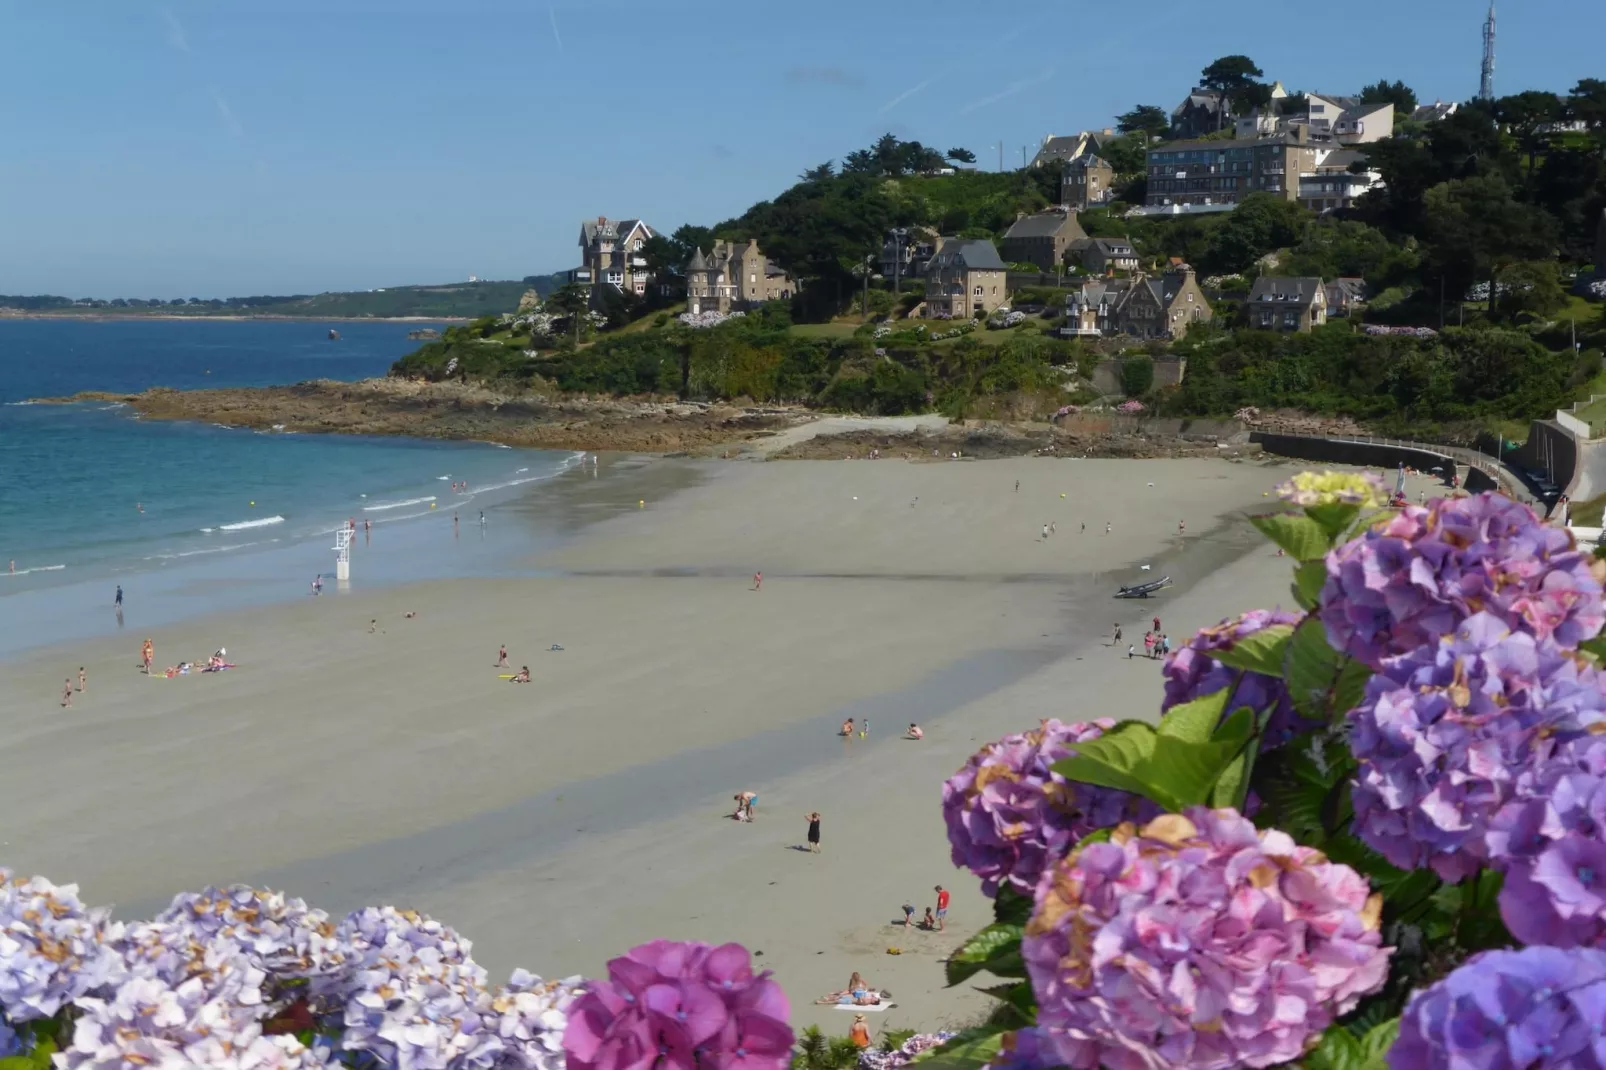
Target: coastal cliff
x=458, y=411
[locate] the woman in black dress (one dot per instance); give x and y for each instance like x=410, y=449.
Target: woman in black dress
x=814, y=831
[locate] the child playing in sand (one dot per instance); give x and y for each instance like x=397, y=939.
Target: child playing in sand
x=66, y=695
x=847, y=728
x=914, y=732
x=522, y=676
x=928, y=922
x=908, y=915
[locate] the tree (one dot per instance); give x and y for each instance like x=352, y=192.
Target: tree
x=1260, y=224
x=819, y=174
x=1529, y=117
x=1532, y=287
x=1397, y=93
x=958, y=155
x=1145, y=120
x=664, y=261
x=1477, y=228
x=571, y=301
x=1237, y=79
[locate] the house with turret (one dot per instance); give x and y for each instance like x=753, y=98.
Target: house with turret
x=734, y=277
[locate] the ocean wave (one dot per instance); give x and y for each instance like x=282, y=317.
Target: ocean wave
x=244, y=524
x=207, y=550
x=37, y=568
x=397, y=505
x=10, y=403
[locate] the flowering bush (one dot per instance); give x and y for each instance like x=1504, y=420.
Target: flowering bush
x=1198, y=941
x=1009, y=813
x=688, y=1003
x=1364, y=489
x=1420, y=573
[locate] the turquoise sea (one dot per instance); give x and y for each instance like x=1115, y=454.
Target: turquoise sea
x=191, y=517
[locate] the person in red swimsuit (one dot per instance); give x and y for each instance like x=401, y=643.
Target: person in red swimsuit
x=942, y=908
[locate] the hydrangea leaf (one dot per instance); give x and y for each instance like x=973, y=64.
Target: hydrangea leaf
x=965, y=1052
x=1011, y=906
x=1337, y=1051
x=17, y=1062
x=1313, y=669
x=1018, y=997
x=1595, y=647
x=1195, y=722
x=995, y=949
x=1309, y=578
x=1232, y=784
x=1377, y=1042
x=1114, y=759
x=1335, y=518
x=1303, y=538
x=1262, y=652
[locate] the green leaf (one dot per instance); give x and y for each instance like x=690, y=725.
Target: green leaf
x=1302, y=537
x=1183, y=774
x=1313, y=668
x=996, y=945
x=1194, y=722
x=1232, y=786
x=1350, y=689
x=1262, y=652
x=1018, y=996
x=1336, y=1051
x=1595, y=647
x=1335, y=518
x=1377, y=1042
x=1112, y=760
x=16, y=1062
x=1309, y=579
x=44, y=1047
x=1010, y=906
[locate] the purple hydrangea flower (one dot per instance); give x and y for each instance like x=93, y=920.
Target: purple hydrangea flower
x=1192, y=673
x=52, y=949
x=1198, y=942
x=1417, y=575
x=282, y=936
x=1541, y=1007
x=1551, y=842
x=211, y=1020
x=415, y=999
x=1445, y=732
x=530, y=1015
x=680, y=1006
x=903, y=1053
x=1009, y=814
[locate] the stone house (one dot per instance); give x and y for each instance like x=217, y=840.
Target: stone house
x=1104, y=255
x=1139, y=307
x=1042, y=239
x=1063, y=148
x=734, y=277
x=965, y=279
x=1286, y=305
x=1086, y=181
x=610, y=252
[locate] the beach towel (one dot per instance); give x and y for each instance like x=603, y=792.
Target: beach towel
x=220, y=668
x=846, y=1004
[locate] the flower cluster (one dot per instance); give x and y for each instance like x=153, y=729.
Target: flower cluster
x=1538, y=1007
x=1419, y=574
x=1009, y=814
x=286, y=938
x=1335, y=488
x=53, y=951
x=529, y=1015
x=1445, y=732
x=1198, y=942
x=903, y=1053
x=1131, y=406
x=1193, y=672
x=1551, y=842
x=1024, y=1049
x=685, y=1004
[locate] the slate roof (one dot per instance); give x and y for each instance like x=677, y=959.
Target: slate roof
x=1291, y=291
x=971, y=254
x=1042, y=225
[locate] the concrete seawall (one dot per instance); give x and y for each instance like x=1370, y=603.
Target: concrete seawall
x=1482, y=473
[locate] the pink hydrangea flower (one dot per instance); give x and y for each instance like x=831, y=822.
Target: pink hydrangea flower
x=680, y=1006
x=1009, y=814
x=1197, y=942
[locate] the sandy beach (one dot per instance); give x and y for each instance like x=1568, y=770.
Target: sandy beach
x=559, y=822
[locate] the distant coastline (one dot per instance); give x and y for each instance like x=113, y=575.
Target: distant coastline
x=17, y=314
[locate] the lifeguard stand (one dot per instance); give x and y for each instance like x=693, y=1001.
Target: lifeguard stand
x=343, y=539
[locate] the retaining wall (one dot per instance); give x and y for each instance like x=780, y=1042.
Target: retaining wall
x=1107, y=374
x=1348, y=451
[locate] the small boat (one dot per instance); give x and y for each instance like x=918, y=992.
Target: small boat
x=334, y=335
x=1145, y=589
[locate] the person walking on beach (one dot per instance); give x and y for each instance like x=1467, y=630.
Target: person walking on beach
x=66, y=695
x=117, y=599
x=1017, y=486
x=813, y=819
x=1156, y=624
x=1045, y=531
x=1182, y=527
x=758, y=581
x=864, y=729
x=1084, y=528
x=373, y=625
x=317, y=584
x=1106, y=527
x=83, y=678
x=147, y=654
x=942, y=908
x=501, y=657
x=1116, y=641
x=1148, y=644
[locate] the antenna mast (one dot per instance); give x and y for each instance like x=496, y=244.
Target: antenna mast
x=1486, y=83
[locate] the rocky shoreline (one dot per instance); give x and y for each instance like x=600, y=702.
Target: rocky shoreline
x=458, y=411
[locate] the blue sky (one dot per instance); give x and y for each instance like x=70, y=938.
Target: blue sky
x=221, y=147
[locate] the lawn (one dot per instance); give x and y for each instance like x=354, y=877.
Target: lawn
x=830, y=331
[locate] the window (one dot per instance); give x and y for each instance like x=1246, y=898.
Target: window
x=978, y=292
x=751, y=278
x=636, y=245
x=616, y=277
